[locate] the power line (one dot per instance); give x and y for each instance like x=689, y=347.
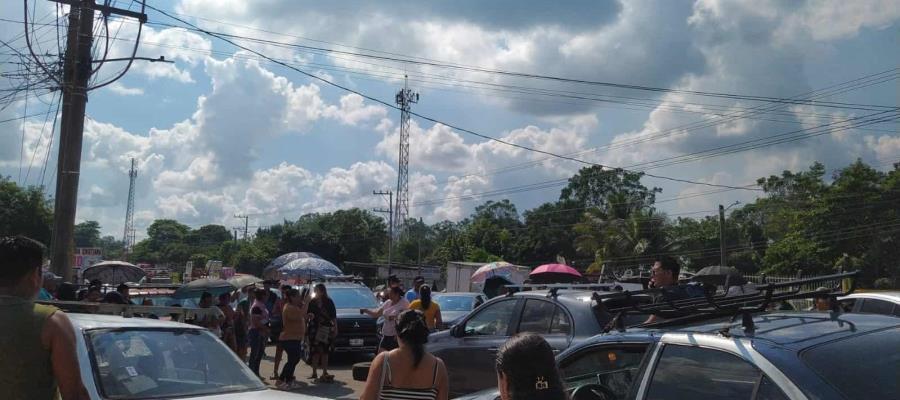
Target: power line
x=438, y=121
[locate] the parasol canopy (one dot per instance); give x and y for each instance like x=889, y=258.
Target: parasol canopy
x=243, y=280
x=719, y=275
x=554, y=273
x=113, y=272
x=269, y=271
x=498, y=269
x=196, y=287
x=309, y=269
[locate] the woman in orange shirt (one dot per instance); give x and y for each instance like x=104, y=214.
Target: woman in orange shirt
x=292, y=334
x=430, y=309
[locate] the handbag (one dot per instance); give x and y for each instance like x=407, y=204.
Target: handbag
x=323, y=334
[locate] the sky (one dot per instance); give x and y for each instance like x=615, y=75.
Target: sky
x=223, y=131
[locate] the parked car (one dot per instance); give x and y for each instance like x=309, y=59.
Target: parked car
x=357, y=333
x=886, y=303
x=137, y=358
x=469, y=348
x=456, y=305
x=787, y=355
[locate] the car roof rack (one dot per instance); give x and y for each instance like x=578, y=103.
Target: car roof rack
x=128, y=310
x=671, y=305
x=554, y=288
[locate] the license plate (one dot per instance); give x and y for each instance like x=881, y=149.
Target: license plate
x=356, y=342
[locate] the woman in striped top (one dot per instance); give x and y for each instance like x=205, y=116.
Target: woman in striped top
x=407, y=372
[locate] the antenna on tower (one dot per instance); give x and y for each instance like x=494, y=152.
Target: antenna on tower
x=128, y=237
x=405, y=98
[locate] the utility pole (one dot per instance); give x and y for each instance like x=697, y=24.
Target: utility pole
x=390, y=213
x=77, y=70
x=246, y=219
x=723, y=261
x=405, y=98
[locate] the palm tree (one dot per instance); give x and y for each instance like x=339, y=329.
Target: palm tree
x=626, y=238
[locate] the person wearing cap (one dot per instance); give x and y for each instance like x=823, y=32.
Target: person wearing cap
x=413, y=294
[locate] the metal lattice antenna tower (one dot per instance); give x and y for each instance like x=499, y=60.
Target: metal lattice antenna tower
x=405, y=98
x=128, y=237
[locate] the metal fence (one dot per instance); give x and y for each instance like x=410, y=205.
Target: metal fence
x=797, y=304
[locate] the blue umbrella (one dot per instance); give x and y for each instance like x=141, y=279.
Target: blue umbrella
x=270, y=270
x=309, y=269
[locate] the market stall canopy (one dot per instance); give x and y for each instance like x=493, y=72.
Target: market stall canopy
x=243, y=280
x=195, y=288
x=270, y=271
x=114, y=272
x=554, y=273
x=308, y=269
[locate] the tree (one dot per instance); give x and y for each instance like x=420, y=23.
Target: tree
x=593, y=187
x=208, y=235
x=24, y=211
x=492, y=225
x=619, y=243
x=87, y=234
x=549, y=231
x=164, y=232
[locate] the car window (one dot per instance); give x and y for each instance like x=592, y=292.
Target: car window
x=561, y=323
x=140, y=364
x=768, y=390
x=876, y=306
x=614, y=367
x=537, y=316
x=352, y=298
x=491, y=320
x=685, y=372
x=455, y=303
x=873, y=374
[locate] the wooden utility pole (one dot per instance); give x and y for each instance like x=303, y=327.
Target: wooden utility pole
x=77, y=67
x=76, y=73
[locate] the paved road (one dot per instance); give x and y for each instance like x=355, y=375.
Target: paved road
x=343, y=387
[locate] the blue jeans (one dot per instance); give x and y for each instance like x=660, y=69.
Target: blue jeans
x=294, y=349
x=257, y=344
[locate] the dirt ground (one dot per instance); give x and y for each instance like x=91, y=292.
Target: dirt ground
x=340, y=365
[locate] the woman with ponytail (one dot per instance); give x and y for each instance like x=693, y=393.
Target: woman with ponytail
x=407, y=372
x=526, y=370
x=430, y=309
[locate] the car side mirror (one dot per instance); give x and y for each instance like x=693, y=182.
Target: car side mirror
x=457, y=330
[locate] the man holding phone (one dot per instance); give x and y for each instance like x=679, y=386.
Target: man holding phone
x=390, y=310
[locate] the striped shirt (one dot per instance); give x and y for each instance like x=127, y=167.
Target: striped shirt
x=389, y=392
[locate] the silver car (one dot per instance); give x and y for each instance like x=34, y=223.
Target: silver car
x=137, y=358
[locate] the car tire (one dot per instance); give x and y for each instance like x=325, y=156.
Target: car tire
x=361, y=371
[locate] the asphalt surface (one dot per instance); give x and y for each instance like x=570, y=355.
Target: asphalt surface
x=340, y=365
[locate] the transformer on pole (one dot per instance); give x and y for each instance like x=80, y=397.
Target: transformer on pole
x=405, y=98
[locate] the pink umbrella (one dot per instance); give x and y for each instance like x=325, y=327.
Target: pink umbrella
x=554, y=273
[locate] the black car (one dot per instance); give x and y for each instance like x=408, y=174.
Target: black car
x=456, y=305
x=469, y=348
x=786, y=355
x=357, y=333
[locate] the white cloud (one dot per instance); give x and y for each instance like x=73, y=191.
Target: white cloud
x=886, y=148
x=123, y=90
x=353, y=110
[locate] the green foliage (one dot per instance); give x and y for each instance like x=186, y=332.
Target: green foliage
x=24, y=211
x=87, y=234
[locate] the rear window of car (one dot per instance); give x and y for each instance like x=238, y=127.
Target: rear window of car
x=131, y=364
x=860, y=367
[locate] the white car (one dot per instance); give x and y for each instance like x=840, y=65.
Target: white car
x=138, y=358
x=885, y=303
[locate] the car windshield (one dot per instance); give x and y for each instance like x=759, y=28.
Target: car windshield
x=352, y=298
x=455, y=303
x=165, y=363
x=874, y=366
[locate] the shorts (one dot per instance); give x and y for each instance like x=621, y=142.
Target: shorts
x=388, y=343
